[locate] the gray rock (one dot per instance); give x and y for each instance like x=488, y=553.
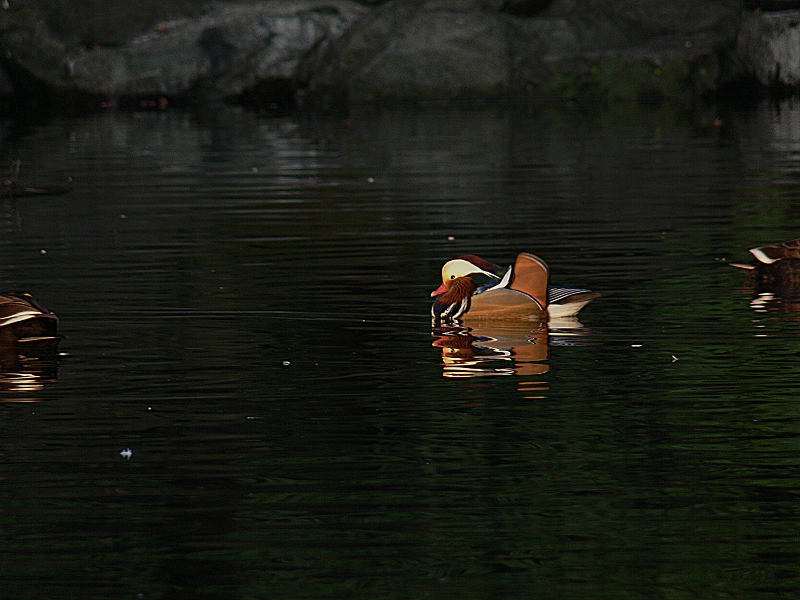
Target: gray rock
x=769, y=46
x=396, y=49
x=526, y=8
x=762, y=5
x=224, y=51
x=449, y=49
x=644, y=19
x=407, y=50
x=107, y=22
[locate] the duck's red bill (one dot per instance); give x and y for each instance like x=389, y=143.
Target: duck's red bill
x=440, y=290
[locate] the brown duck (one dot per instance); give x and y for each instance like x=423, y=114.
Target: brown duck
x=26, y=322
x=777, y=265
x=475, y=288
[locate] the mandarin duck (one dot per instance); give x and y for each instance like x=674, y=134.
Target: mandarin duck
x=476, y=288
x=777, y=265
x=25, y=321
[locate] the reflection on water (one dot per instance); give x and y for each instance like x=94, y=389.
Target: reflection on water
x=509, y=348
x=771, y=302
x=26, y=370
x=773, y=295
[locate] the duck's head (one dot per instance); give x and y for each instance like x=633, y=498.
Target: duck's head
x=464, y=274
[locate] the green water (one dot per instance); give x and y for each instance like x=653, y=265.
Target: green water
x=245, y=304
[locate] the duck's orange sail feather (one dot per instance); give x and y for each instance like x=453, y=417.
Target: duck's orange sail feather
x=530, y=276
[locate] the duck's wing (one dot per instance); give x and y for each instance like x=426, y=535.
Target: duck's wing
x=567, y=301
x=21, y=306
x=774, y=252
x=530, y=276
x=504, y=303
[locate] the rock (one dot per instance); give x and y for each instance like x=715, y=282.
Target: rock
x=444, y=50
x=761, y=5
x=524, y=8
x=372, y=49
x=108, y=22
x=643, y=20
x=410, y=50
x=223, y=52
x=769, y=46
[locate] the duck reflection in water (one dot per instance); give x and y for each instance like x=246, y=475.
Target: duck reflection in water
x=505, y=349
x=775, y=277
x=28, y=344
x=27, y=373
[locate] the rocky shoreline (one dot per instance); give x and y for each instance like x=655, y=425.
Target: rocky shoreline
x=334, y=52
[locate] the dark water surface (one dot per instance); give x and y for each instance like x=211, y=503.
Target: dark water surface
x=245, y=307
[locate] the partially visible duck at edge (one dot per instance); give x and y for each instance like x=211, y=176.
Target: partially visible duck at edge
x=24, y=322
x=475, y=288
x=776, y=265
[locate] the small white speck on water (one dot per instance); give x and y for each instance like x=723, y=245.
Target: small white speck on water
x=286, y=363
x=675, y=358
x=42, y=251
x=126, y=454
x=370, y=180
x=451, y=238
x=636, y=345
